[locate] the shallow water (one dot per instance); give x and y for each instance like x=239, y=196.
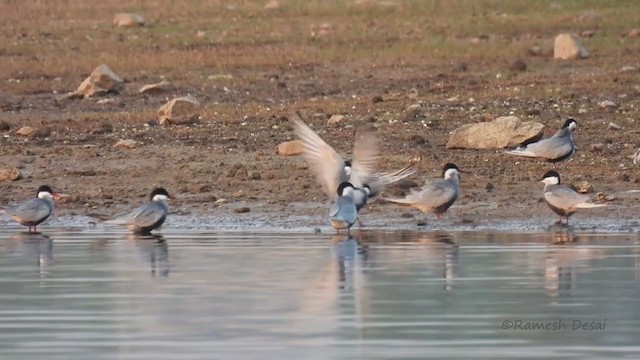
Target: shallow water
x=94, y=294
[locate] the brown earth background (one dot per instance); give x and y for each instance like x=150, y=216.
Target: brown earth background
x=253, y=66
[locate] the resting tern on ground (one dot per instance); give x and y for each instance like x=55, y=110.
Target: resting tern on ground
x=35, y=211
x=331, y=170
x=563, y=200
x=147, y=217
x=435, y=197
x=557, y=148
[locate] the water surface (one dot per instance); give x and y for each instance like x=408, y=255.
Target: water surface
x=91, y=294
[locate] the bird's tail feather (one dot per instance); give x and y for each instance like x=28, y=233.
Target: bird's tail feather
x=588, y=205
x=521, y=152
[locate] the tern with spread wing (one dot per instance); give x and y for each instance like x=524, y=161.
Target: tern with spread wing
x=435, y=197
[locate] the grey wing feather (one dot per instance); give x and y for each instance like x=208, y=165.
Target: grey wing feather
x=145, y=215
x=377, y=182
x=434, y=194
x=564, y=197
x=365, y=157
x=552, y=148
x=32, y=210
x=324, y=161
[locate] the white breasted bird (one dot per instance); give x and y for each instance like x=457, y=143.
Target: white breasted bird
x=435, y=197
x=147, y=217
x=563, y=200
x=343, y=213
x=331, y=170
x=557, y=148
x=35, y=211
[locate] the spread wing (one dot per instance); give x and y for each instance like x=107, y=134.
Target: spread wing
x=377, y=182
x=365, y=157
x=323, y=160
x=563, y=197
x=145, y=215
x=32, y=210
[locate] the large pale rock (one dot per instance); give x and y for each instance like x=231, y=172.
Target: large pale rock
x=289, y=148
x=128, y=20
x=505, y=131
x=12, y=174
x=569, y=47
x=101, y=81
x=178, y=110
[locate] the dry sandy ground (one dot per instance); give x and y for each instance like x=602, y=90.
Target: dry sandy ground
x=230, y=153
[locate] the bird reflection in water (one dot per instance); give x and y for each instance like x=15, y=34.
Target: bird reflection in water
x=445, y=251
x=351, y=258
x=155, y=248
x=37, y=246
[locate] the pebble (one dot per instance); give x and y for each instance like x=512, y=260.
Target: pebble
x=242, y=210
x=607, y=104
x=597, y=147
x=335, y=119
x=614, y=126
x=290, y=148
x=25, y=131
x=584, y=187
x=126, y=144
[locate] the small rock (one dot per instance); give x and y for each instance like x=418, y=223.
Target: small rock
x=101, y=81
x=597, y=147
x=200, y=34
x=12, y=174
x=272, y=5
x=4, y=126
x=634, y=33
x=607, y=104
x=125, y=144
x=614, y=126
x=636, y=157
x=602, y=197
x=242, y=210
x=584, y=187
x=335, y=119
x=588, y=34
x=628, y=69
x=406, y=215
x=290, y=148
x=413, y=111
x=505, y=131
x=221, y=201
x=535, y=51
x=416, y=139
x=413, y=94
x=518, y=65
x=156, y=88
x=569, y=47
x=534, y=112
x=43, y=132
x=377, y=99
x=178, y=110
x=489, y=187
x=25, y=131
x=128, y=20
x=105, y=101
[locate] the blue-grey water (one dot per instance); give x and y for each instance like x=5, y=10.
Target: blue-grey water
x=91, y=294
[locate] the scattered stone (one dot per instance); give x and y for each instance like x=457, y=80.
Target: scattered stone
x=412, y=94
x=221, y=201
x=128, y=20
x=4, y=126
x=505, y=131
x=416, y=139
x=625, y=69
x=535, y=51
x=588, y=34
x=238, y=171
x=178, y=110
x=272, y=5
x=534, y=112
x=614, y=126
x=597, y=147
x=377, y=99
x=335, y=119
x=25, y=131
x=569, y=47
x=413, y=111
x=43, y=132
x=584, y=187
x=290, y=148
x=242, y=210
x=634, y=33
x=12, y=174
x=101, y=81
x=200, y=34
x=105, y=101
x=519, y=65
x=406, y=215
x=125, y=144
x=636, y=157
x=607, y=104
x=489, y=187
x=156, y=88
x=623, y=177
x=602, y=197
